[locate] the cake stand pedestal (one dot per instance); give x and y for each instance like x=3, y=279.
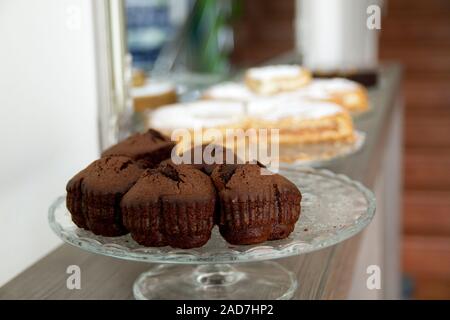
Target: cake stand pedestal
x=246, y=281
x=334, y=208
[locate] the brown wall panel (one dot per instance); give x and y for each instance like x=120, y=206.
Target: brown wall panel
x=428, y=213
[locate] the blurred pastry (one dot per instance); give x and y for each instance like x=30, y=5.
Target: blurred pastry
x=138, y=77
x=349, y=94
x=233, y=91
x=152, y=95
x=197, y=117
x=302, y=121
x=274, y=79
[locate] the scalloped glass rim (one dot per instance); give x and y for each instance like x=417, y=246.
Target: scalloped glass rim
x=125, y=248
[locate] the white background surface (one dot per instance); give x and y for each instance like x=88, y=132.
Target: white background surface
x=47, y=118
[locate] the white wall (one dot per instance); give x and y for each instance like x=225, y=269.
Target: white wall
x=47, y=118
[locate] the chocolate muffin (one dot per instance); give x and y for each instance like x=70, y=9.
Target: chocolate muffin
x=147, y=149
x=94, y=194
x=207, y=157
x=255, y=207
x=170, y=205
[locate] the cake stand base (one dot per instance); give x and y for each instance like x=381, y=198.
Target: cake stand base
x=246, y=281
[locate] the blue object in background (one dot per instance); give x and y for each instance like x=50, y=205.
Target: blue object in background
x=148, y=28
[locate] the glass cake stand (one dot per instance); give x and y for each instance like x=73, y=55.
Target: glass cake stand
x=333, y=208
x=320, y=154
